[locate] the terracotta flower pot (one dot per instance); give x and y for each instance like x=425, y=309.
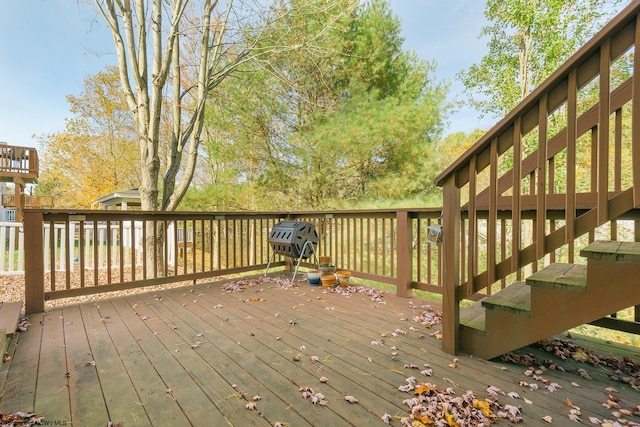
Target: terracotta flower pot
x=328, y=280
x=343, y=277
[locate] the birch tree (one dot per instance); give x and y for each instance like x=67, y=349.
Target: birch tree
x=171, y=55
x=527, y=41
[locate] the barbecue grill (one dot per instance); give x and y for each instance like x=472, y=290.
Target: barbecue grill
x=293, y=239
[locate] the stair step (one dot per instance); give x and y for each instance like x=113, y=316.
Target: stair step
x=613, y=251
x=473, y=317
x=515, y=298
x=9, y=316
x=568, y=277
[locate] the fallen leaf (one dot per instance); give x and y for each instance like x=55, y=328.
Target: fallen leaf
x=584, y=374
x=351, y=399
x=548, y=419
x=483, y=406
x=580, y=355
x=553, y=387
x=450, y=420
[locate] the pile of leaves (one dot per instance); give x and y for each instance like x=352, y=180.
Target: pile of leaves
x=23, y=325
x=241, y=285
x=434, y=407
x=625, y=370
x=375, y=294
x=428, y=318
x=20, y=419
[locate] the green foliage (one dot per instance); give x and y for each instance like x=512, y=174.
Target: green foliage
x=347, y=117
x=528, y=40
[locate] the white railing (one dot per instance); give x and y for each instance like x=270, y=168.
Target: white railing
x=66, y=252
x=12, y=240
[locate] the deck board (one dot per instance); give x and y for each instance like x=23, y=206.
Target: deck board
x=120, y=396
x=20, y=383
x=187, y=391
x=146, y=374
x=259, y=342
x=82, y=376
x=52, y=391
x=302, y=372
x=202, y=364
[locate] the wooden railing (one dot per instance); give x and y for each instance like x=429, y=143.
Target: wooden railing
x=563, y=166
x=87, y=252
x=17, y=160
x=9, y=201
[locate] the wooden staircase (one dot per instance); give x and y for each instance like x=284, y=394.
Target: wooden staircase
x=554, y=299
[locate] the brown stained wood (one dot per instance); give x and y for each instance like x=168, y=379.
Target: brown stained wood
x=120, y=397
x=473, y=316
x=155, y=369
x=34, y=263
x=20, y=378
x=635, y=120
x=215, y=364
x=83, y=378
x=515, y=298
x=404, y=254
x=355, y=333
x=342, y=322
x=159, y=406
x=450, y=265
x=569, y=277
x=239, y=346
x=305, y=372
x=603, y=131
x=52, y=389
x=9, y=316
x=613, y=251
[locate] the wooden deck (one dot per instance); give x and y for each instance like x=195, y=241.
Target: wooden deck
x=198, y=356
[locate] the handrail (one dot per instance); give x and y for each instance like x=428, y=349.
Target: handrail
x=95, y=251
x=525, y=171
x=9, y=201
x=15, y=159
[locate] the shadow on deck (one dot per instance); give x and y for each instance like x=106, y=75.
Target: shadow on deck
x=198, y=356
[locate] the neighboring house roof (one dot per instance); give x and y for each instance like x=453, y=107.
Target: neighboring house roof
x=130, y=197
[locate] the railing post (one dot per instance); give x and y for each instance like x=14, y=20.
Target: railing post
x=33, y=262
x=450, y=265
x=404, y=255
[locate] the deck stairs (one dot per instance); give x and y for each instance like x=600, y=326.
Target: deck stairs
x=553, y=299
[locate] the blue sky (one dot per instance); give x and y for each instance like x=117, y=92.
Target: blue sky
x=48, y=47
